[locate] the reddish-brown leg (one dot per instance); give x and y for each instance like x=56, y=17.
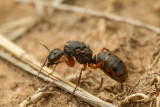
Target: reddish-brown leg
x=70, y=62
x=98, y=64
x=106, y=50
x=83, y=69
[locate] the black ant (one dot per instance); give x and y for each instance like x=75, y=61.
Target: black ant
x=106, y=61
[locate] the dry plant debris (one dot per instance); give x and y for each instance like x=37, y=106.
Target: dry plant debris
x=135, y=45
x=91, y=12
x=47, y=89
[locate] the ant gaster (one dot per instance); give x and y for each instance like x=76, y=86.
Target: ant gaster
x=112, y=65
x=106, y=61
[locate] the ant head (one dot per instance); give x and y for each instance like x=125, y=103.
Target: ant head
x=53, y=56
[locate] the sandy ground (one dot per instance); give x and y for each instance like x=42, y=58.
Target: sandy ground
x=133, y=45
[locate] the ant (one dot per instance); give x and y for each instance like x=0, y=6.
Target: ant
x=109, y=63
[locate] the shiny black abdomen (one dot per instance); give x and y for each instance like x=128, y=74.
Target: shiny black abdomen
x=113, y=66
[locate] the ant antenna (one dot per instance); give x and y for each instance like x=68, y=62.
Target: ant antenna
x=45, y=47
x=46, y=57
x=43, y=65
x=41, y=44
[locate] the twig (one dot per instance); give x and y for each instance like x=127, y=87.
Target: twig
x=97, y=13
x=157, y=93
x=73, y=77
x=19, y=32
x=101, y=83
x=135, y=95
x=154, y=59
x=120, y=94
x=130, y=92
x=16, y=23
x=158, y=78
x=39, y=7
x=158, y=101
x=55, y=78
x=41, y=93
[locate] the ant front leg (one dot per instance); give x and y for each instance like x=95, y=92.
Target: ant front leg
x=83, y=69
x=55, y=65
x=70, y=61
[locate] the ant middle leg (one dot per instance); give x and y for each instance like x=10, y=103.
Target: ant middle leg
x=82, y=69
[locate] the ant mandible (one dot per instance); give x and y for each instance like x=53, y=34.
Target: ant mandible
x=106, y=61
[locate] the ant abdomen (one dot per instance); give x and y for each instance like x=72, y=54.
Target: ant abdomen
x=113, y=66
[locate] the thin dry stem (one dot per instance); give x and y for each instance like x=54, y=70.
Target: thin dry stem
x=135, y=95
x=36, y=97
x=39, y=8
x=158, y=78
x=120, y=94
x=17, y=33
x=96, y=13
x=16, y=23
x=72, y=77
x=157, y=93
x=154, y=59
x=158, y=101
x=14, y=35
x=55, y=78
x=130, y=92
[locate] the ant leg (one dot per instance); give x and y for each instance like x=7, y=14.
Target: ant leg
x=83, y=69
x=56, y=63
x=106, y=50
x=70, y=61
x=54, y=67
x=101, y=83
x=94, y=61
x=98, y=64
x=60, y=62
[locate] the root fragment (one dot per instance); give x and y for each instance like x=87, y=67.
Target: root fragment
x=145, y=97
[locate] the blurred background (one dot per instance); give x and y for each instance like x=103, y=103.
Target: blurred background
x=54, y=22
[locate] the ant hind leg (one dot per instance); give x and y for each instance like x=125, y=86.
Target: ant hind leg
x=106, y=50
x=98, y=64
